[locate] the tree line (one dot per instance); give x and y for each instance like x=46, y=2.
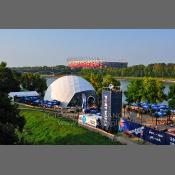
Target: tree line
x=149, y=90
x=151, y=70
x=25, y=81
x=48, y=70
x=33, y=82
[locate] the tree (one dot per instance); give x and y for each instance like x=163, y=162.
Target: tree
x=8, y=80
x=171, y=96
x=95, y=79
x=151, y=70
x=168, y=113
x=10, y=120
x=3, y=64
x=134, y=91
x=156, y=116
x=147, y=89
x=33, y=82
x=140, y=115
x=153, y=90
x=151, y=112
x=171, y=103
x=171, y=93
x=109, y=79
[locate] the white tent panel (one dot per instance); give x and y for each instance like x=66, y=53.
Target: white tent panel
x=23, y=94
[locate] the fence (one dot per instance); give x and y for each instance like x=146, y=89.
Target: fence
x=148, y=134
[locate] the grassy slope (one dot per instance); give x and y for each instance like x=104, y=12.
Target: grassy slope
x=40, y=129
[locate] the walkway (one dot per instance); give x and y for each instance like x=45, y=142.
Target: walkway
x=121, y=139
x=124, y=140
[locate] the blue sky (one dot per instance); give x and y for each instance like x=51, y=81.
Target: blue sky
x=38, y=47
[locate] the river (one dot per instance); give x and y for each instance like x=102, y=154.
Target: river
x=124, y=84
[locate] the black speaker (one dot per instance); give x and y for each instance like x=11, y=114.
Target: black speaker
x=116, y=103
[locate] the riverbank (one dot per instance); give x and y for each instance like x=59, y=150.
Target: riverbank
x=164, y=79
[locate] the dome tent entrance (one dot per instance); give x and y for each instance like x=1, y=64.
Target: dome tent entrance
x=65, y=88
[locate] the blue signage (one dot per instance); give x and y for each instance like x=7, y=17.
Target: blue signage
x=154, y=136
x=106, y=109
x=148, y=134
x=84, y=119
x=170, y=140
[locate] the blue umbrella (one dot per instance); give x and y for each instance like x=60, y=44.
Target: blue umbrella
x=50, y=104
x=161, y=113
x=145, y=107
x=143, y=104
x=156, y=108
x=36, y=101
x=154, y=104
x=56, y=102
x=162, y=106
x=45, y=101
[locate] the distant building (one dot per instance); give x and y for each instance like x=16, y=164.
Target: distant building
x=95, y=63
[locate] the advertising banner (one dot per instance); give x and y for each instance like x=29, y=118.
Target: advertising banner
x=146, y=133
x=84, y=101
x=154, y=136
x=88, y=119
x=170, y=139
x=106, y=109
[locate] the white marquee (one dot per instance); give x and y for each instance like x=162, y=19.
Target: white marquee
x=63, y=89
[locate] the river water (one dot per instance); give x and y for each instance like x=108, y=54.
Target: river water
x=124, y=84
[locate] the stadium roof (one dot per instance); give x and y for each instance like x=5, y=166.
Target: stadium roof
x=63, y=89
x=81, y=58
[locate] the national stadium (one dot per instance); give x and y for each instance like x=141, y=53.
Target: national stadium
x=95, y=62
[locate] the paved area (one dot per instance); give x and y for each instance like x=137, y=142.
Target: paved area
x=124, y=140
x=148, y=120
x=121, y=139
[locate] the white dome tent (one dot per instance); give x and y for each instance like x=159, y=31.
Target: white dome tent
x=63, y=89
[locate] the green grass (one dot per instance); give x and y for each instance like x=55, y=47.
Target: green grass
x=43, y=129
